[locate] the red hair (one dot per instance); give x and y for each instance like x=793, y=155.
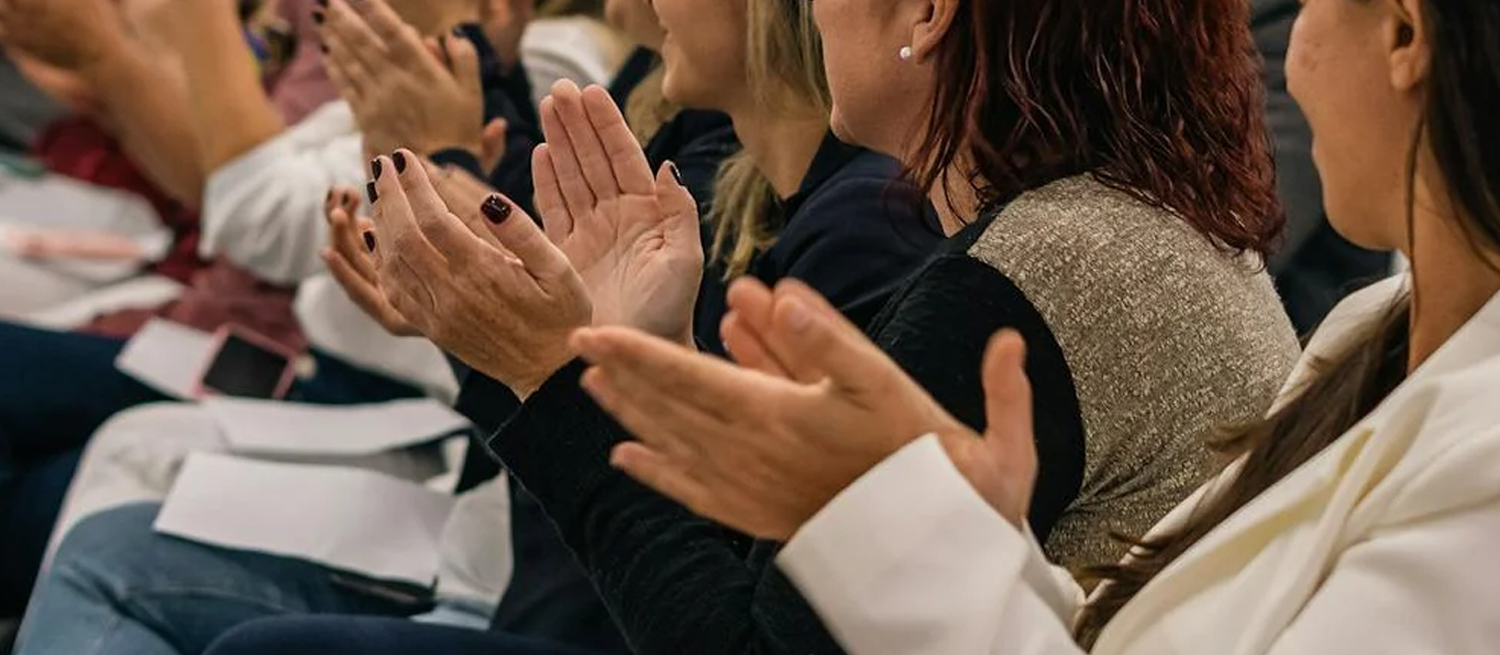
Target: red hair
x=1160, y=98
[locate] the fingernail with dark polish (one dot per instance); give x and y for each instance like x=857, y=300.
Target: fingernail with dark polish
x=400, y=159
x=676, y=174
x=317, y=15
x=375, y=168
x=495, y=209
x=370, y=191
x=370, y=241
x=323, y=47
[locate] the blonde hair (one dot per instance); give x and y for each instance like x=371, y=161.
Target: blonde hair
x=784, y=60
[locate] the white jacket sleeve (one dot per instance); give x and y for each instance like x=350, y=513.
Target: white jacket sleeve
x=909, y=560
x=264, y=210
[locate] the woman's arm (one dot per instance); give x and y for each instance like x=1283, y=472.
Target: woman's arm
x=229, y=106
x=146, y=106
x=675, y=583
x=678, y=583
x=910, y=560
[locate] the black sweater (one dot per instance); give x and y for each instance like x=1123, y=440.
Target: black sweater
x=849, y=232
x=677, y=583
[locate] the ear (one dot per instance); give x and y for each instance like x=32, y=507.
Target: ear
x=1406, y=40
x=933, y=27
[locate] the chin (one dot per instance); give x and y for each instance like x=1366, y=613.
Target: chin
x=841, y=129
x=1363, y=233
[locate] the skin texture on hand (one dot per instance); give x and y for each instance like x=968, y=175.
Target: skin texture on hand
x=813, y=406
x=350, y=256
x=506, y=310
x=631, y=235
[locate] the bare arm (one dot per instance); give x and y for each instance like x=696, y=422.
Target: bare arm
x=228, y=105
x=147, y=108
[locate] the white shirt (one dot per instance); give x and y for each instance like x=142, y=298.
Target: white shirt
x=264, y=212
x=1379, y=545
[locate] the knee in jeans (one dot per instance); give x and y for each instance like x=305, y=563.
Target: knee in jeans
x=109, y=545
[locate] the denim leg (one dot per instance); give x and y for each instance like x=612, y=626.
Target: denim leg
x=57, y=389
x=29, y=503
x=351, y=635
x=117, y=587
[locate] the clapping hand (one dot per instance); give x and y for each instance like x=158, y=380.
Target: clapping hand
x=814, y=405
x=350, y=253
x=402, y=93
x=504, y=305
x=350, y=258
x=71, y=35
x=631, y=235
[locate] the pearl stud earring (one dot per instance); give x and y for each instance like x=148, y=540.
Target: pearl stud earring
x=905, y=53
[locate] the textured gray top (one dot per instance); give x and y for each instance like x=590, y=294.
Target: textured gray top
x=1168, y=340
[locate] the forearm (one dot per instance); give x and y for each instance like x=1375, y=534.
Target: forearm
x=229, y=106
x=676, y=583
x=149, y=113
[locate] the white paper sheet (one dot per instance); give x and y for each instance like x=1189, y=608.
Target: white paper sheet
x=342, y=518
x=291, y=429
x=168, y=357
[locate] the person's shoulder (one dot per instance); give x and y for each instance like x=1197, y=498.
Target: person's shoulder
x=1082, y=226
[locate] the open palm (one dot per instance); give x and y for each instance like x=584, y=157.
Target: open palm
x=631, y=235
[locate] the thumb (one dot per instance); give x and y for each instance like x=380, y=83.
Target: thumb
x=814, y=344
x=465, y=64
x=679, y=207
x=1007, y=399
x=492, y=143
x=521, y=236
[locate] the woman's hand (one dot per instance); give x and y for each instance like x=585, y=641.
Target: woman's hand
x=631, y=235
x=402, y=94
x=71, y=35
x=762, y=449
x=505, y=307
x=350, y=258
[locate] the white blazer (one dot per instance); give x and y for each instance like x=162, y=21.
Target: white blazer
x=1382, y=544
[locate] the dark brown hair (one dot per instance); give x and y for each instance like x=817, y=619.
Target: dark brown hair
x=1159, y=98
x=1463, y=97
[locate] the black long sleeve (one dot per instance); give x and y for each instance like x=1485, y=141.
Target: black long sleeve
x=681, y=584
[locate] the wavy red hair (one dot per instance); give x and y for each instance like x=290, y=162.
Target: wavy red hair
x=1162, y=99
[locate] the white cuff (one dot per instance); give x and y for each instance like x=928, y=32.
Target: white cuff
x=909, y=558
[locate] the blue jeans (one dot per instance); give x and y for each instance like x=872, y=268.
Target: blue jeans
x=344, y=635
x=56, y=390
x=117, y=587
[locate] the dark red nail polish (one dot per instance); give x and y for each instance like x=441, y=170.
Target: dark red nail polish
x=370, y=241
x=495, y=209
x=375, y=168
x=400, y=159
x=317, y=15
x=323, y=47
x=676, y=174
x=370, y=191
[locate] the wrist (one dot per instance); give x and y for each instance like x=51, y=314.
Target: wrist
x=527, y=384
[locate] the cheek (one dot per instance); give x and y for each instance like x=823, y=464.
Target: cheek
x=1338, y=81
